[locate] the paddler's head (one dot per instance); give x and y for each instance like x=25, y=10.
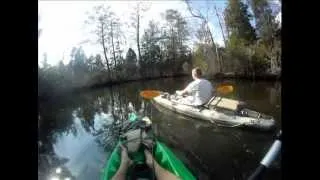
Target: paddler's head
x=196, y=73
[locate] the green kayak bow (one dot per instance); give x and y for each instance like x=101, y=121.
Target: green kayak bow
x=161, y=153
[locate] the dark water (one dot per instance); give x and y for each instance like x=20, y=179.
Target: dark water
x=76, y=131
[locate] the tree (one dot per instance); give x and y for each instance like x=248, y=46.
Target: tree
x=199, y=58
x=266, y=25
x=113, y=23
x=98, y=64
x=220, y=24
x=150, y=39
x=206, y=48
x=267, y=29
x=237, y=20
x=90, y=63
x=131, y=58
x=45, y=64
x=206, y=34
x=174, y=37
x=61, y=67
x=130, y=64
x=136, y=16
x=102, y=18
x=151, y=52
x=119, y=50
x=177, y=33
x=114, y=37
x=78, y=58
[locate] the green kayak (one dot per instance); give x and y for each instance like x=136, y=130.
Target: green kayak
x=161, y=153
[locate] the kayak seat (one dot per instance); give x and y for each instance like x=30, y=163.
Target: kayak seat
x=225, y=103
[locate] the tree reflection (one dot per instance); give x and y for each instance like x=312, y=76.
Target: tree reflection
x=275, y=93
x=101, y=113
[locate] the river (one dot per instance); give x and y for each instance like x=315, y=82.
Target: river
x=75, y=131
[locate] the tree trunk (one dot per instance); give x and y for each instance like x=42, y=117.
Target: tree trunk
x=273, y=66
x=213, y=44
x=112, y=105
x=227, y=29
x=200, y=16
x=224, y=39
x=138, y=35
x=113, y=52
x=104, y=51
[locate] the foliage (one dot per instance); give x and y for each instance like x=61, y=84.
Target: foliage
x=246, y=53
x=266, y=25
x=199, y=58
x=237, y=20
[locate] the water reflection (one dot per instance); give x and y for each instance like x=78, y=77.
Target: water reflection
x=79, y=131
x=81, y=128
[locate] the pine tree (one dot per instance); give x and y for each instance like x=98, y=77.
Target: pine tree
x=237, y=20
x=266, y=25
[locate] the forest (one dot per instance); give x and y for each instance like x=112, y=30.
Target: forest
x=163, y=50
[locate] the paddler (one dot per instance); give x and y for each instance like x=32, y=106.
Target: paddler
x=198, y=92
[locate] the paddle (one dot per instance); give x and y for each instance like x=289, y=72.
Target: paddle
x=149, y=94
x=270, y=156
x=221, y=89
x=224, y=89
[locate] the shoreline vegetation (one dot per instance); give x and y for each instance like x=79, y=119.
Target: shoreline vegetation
x=163, y=50
x=218, y=76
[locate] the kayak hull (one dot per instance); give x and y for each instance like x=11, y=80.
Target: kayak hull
x=162, y=154
x=219, y=117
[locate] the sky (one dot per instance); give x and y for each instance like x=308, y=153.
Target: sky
x=62, y=24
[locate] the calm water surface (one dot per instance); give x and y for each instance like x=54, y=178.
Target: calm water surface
x=76, y=134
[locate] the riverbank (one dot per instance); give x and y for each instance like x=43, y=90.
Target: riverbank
x=112, y=83
x=218, y=76
x=42, y=96
x=234, y=75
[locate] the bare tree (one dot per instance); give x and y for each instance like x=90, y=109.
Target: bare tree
x=102, y=18
x=112, y=42
x=197, y=14
x=139, y=8
x=219, y=20
x=114, y=33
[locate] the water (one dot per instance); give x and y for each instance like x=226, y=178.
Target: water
x=75, y=131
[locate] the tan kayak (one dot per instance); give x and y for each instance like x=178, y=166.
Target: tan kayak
x=221, y=111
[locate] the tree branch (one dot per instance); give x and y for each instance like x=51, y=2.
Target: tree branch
x=199, y=15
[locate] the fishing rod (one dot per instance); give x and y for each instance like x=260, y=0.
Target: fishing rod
x=271, y=155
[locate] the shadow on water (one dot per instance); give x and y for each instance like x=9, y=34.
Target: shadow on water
x=78, y=132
